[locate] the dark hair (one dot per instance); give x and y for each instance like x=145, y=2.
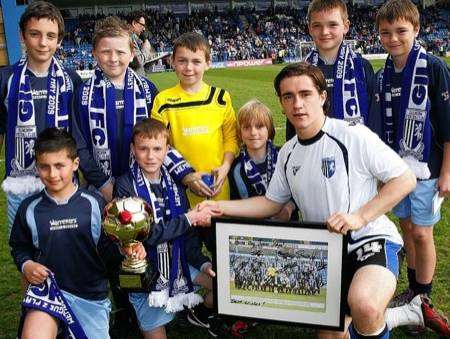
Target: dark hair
x=135, y=16
x=299, y=69
x=111, y=27
x=149, y=128
x=40, y=10
x=52, y=140
x=394, y=10
x=192, y=41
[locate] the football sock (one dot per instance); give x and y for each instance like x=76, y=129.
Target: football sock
x=423, y=288
x=382, y=333
x=408, y=314
x=412, y=278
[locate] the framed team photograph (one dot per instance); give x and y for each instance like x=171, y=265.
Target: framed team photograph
x=279, y=271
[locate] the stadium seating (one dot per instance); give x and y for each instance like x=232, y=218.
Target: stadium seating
x=245, y=34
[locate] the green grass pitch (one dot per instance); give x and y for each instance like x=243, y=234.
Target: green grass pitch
x=280, y=297
x=243, y=84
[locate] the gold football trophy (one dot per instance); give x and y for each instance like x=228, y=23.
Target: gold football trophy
x=128, y=221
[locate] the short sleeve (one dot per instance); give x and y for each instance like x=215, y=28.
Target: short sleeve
x=378, y=158
x=157, y=112
x=279, y=190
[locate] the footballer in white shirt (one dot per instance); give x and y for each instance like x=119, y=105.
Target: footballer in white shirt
x=331, y=170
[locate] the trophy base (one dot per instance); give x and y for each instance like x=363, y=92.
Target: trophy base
x=137, y=281
x=132, y=265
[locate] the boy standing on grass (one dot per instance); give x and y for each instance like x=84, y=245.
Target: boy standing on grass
x=349, y=76
x=109, y=104
x=172, y=246
x=200, y=118
x=413, y=93
x=37, y=93
x=58, y=230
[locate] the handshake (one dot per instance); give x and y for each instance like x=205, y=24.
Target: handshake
x=201, y=214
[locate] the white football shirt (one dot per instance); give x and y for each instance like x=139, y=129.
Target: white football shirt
x=337, y=171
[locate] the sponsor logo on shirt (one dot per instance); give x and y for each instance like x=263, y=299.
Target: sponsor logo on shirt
x=197, y=130
x=445, y=96
x=63, y=224
x=173, y=100
x=39, y=94
x=295, y=169
x=120, y=104
x=330, y=82
x=396, y=92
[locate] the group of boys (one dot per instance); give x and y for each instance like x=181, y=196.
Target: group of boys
x=406, y=103
x=107, y=118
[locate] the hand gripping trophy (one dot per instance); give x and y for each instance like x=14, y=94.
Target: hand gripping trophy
x=128, y=221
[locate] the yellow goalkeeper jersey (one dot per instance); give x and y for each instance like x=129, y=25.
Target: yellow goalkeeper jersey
x=202, y=128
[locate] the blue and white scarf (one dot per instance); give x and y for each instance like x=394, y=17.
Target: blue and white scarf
x=349, y=92
x=177, y=166
x=21, y=122
x=173, y=289
x=48, y=298
x=99, y=118
x=413, y=129
x=251, y=170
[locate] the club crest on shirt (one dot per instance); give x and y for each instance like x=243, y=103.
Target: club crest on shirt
x=445, y=96
x=328, y=166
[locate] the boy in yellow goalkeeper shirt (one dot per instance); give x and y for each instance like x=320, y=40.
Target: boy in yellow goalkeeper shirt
x=200, y=118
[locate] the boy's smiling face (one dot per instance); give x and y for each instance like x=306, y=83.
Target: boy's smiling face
x=41, y=40
x=190, y=67
x=398, y=37
x=150, y=153
x=327, y=29
x=56, y=172
x=113, y=55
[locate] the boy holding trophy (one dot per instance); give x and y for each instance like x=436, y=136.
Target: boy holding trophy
x=172, y=247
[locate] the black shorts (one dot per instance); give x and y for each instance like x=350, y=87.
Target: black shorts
x=380, y=252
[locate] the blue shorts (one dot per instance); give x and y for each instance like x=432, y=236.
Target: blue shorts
x=13, y=202
x=418, y=205
x=93, y=315
x=149, y=317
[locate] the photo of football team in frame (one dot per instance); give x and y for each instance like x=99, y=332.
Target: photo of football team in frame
x=287, y=272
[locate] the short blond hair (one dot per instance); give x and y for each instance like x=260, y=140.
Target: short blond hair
x=254, y=111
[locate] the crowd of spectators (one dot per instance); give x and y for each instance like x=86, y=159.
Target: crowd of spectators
x=244, y=34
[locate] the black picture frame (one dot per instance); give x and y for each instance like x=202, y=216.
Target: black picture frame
x=301, y=251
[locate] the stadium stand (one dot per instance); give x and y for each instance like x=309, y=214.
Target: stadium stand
x=245, y=34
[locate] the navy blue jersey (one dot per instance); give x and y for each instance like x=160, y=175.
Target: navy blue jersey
x=438, y=92
x=39, y=93
x=67, y=238
x=240, y=186
x=84, y=144
x=328, y=72
x=165, y=231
